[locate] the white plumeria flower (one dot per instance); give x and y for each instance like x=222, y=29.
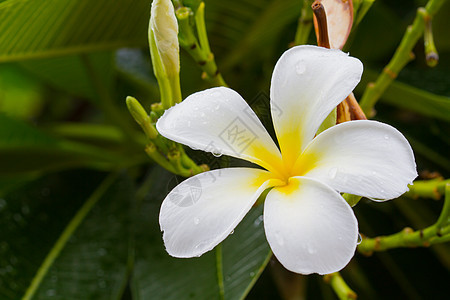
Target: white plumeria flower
x=309, y=226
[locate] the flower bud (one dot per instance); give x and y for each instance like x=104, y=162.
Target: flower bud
x=164, y=28
x=141, y=117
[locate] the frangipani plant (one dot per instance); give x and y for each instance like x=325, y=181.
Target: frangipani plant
x=309, y=226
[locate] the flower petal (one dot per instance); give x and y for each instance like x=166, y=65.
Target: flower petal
x=307, y=83
x=203, y=210
x=310, y=227
x=365, y=158
x=218, y=120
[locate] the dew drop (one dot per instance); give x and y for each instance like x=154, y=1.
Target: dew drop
x=50, y=293
x=101, y=252
x=200, y=246
x=386, y=137
x=359, y=239
x=196, y=221
x=216, y=94
x=2, y=204
x=4, y=247
x=311, y=249
x=101, y=284
x=232, y=232
x=300, y=68
x=258, y=220
x=202, y=114
x=25, y=209
x=252, y=274
x=217, y=107
x=279, y=239
x=332, y=173
x=374, y=173
x=45, y=192
x=228, y=278
x=216, y=154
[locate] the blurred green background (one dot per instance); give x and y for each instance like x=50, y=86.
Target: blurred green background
x=79, y=198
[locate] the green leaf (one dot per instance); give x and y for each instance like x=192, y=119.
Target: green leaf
x=49, y=28
x=329, y=121
x=406, y=96
x=244, y=255
x=69, y=73
x=65, y=241
x=239, y=29
x=24, y=148
x=21, y=95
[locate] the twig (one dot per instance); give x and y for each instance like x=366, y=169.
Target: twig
x=401, y=57
x=428, y=188
x=304, y=24
x=198, y=48
x=340, y=287
x=437, y=233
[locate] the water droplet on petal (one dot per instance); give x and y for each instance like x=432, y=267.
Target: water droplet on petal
x=300, y=68
x=215, y=94
x=359, y=239
x=279, y=239
x=386, y=137
x=332, y=173
x=196, y=221
x=201, y=246
x=216, y=153
x=232, y=232
x=311, y=249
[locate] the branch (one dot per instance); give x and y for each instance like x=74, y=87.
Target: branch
x=304, y=24
x=401, y=57
x=340, y=287
x=428, y=189
x=437, y=233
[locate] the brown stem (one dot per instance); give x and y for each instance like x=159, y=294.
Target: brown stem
x=356, y=112
x=348, y=109
x=321, y=20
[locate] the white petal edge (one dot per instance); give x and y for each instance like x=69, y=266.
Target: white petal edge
x=203, y=210
x=310, y=227
x=365, y=158
x=307, y=83
x=218, y=120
